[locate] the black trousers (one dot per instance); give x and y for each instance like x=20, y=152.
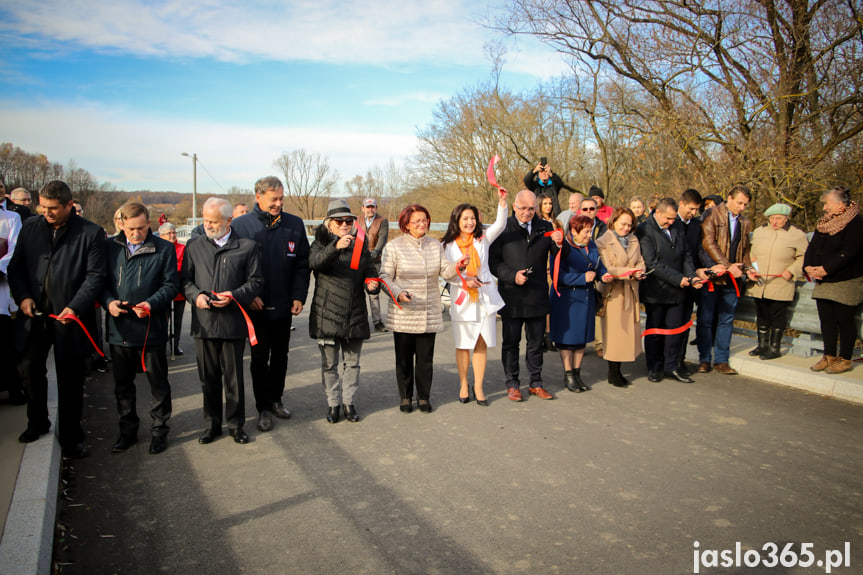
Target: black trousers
x=837, y=321
x=127, y=363
x=689, y=302
x=663, y=351
x=221, y=360
x=178, y=307
x=9, y=379
x=414, y=363
x=771, y=312
x=269, y=365
x=33, y=372
x=534, y=329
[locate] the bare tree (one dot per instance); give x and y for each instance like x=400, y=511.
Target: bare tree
x=308, y=179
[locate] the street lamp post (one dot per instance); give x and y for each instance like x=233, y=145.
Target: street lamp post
x=194, y=157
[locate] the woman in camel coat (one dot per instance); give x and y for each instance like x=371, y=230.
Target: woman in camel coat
x=621, y=326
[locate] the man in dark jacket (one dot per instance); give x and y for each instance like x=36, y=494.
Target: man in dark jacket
x=519, y=259
x=285, y=249
x=6, y=203
x=58, y=268
x=542, y=180
x=142, y=280
x=690, y=224
x=666, y=253
x=725, y=246
x=215, y=267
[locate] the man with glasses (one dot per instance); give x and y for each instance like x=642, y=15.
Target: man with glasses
x=285, y=249
x=519, y=258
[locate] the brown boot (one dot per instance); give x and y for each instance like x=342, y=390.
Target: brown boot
x=839, y=365
x=824, y=363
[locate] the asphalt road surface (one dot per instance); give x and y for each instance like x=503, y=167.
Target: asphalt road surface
x=611, y=481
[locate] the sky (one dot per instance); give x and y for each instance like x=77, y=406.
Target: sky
x=125, y=87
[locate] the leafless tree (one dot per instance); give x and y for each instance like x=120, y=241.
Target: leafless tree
x=309, y=179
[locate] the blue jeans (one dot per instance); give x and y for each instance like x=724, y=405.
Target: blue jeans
x=716, y=309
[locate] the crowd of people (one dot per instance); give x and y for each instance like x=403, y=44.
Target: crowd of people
x=562, y=279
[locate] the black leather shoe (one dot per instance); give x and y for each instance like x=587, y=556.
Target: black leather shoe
x=333, y=414
x=406, y=406
x=683, y=369
x=265, y=421
x=280, y=411
x=124, y=443
x=425, y=406
x=177, y=350
x=239, y=436
x=679, y=377
x=351, y=413
x=210, y=435
x=158, y=445
x=30, y=435
x=654, y=376
x=77, y=451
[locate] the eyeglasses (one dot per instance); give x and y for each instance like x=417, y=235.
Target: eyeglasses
x=525, y=208
x=588, y=209
x=421, y=222
x=343, y=221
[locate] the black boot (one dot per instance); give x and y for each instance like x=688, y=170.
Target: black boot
x=763, y=341
x=616, y=378
x=333, y=414
x=547, y=344
x=576, y=374
x=569, y=381
x=775, y=342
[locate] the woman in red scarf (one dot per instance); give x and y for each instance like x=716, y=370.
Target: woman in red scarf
x=476, y=301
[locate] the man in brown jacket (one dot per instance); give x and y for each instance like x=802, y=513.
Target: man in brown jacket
x=725, y=250
x=377, y=230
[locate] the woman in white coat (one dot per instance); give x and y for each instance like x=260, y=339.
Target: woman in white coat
x=475, y=301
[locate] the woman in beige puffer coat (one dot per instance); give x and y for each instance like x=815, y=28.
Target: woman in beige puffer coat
x=411, y=266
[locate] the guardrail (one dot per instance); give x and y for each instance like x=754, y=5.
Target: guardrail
x=802, y=316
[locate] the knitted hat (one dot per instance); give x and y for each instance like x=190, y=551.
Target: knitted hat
x=778, y=210
x=595, y=191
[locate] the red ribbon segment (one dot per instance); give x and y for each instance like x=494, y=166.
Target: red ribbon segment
x=77, y=320
x=358, y=248
x=389, y=291
x=675, y=331
x=253, y=339
x=490, y=172
x=625, y=275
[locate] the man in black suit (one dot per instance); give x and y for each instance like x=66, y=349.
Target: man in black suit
x=690, y=224
x=519, y=259
x=662, y=292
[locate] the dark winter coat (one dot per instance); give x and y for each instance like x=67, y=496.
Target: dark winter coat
x=208, y=268
x=66, y=271
x=841, y=254
x=149, y=275
x=285, y=258
x=514, y=251
x=670, y=261
x=339, y=303
x=573, y=312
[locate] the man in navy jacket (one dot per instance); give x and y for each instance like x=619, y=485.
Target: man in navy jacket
x=285, y=262
x=142, y=280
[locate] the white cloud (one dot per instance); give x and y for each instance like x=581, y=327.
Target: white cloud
x=135, y=152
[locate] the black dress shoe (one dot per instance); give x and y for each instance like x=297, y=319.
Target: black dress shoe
x=482, y=402
x=210, y=435
x=239, y=436
x=351, y=413
x=654, y=376
x=333, y=414
x=77, y=451
x=679, y=377
x=177, y=350
x=425, y=406
x=30, y=435
x=464, y=400
x=406, y=406
x=158, y=445
x=683, y=369
x=124, y=443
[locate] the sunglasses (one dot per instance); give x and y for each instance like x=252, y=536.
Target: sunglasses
x=343, y=221
x=588, y=209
